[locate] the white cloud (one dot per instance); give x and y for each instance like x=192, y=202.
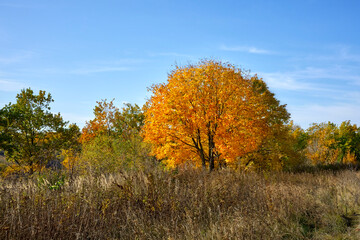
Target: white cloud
x=341, y=58
x=305, y=115
x=308, y=79
x=345, y=53
x=169, y=54
x=285, y=81
x=102, y=66
x=85, y=68
x=11, y=86
x=121, y=61
x=245, y=49
x=17, y=5
x=89, y=70
x=335, y=86
x=16, y=58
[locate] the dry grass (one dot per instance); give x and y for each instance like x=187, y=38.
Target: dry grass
x=184, y=205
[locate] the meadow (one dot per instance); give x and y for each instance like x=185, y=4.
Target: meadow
x=182, y=204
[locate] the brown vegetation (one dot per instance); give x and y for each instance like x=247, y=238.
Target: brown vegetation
x=189, y=204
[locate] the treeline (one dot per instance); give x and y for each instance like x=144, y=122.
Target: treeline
x=34, y=139
x=211, y=115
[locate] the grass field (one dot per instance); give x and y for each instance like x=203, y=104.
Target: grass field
x=187, y=204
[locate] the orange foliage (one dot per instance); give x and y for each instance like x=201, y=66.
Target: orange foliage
x=207, y=114
x=321, y=144
x=329, y=143
x=102, y=123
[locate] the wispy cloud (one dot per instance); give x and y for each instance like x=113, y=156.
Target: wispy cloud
x=121, y=61
x=344, y=52
x=82, y=68
x=247, y=49
x=18, y=5
x=169, y=54
x=16, y=58
x=7, y=85
x=336, y=86
x=334, y=54
x=97, y=69
x=285, y=81
x=308, y=78
x=103, y=66
x=305, y=115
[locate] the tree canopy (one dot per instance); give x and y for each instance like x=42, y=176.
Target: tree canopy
x=110, y=120
x=329, y=143
x=209, y=114
x=30, y=134
x=111, y=141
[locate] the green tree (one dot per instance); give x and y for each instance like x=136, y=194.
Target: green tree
x=129, y=121
x=329, y=143
x=112, y=141
x=348, y=140
x=30, y=134
x=279, y=149
x=112, y=121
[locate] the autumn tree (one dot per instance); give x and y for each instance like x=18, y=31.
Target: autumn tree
x=329, y=143
x=348, y=141
x=30, y=134
x=268, y=154
x=110, y=120
x=129, y=121
x=112, y=139
x=207, y=114
x=321, y=143
x=280, y=148
x=103, y=123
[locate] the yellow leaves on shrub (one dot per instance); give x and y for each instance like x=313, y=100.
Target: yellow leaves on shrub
x=71, y=159
x=15, y=169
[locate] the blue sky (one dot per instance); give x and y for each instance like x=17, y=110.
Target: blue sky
x=84, y=51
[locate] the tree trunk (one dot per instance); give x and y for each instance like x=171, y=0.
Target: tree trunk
x=211, y=153
x=203, y=159
x=212, y=163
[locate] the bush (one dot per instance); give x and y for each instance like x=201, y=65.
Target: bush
x=110, y=154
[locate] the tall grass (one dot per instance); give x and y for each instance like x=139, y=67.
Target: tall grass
x=187, y=204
